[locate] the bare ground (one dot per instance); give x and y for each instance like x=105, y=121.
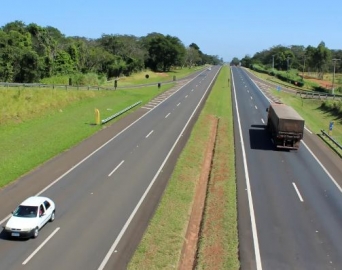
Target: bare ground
x=190, y=246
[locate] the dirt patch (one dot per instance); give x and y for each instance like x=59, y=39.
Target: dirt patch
x=325, y=84
x=189, y=250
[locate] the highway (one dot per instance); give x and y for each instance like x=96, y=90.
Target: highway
x=290, y=203
x=104, y=198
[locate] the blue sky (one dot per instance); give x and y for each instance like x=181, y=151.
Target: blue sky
x=219, y=27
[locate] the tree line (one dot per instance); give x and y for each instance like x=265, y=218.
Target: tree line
x=318, y=59
x=29, y=53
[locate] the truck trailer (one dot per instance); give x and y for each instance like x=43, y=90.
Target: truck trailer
x=286, y=126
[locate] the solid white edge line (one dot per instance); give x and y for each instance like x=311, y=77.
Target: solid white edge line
x=129, y=220
x=324, y=169
x=41, y=245
x=167, y=115
x=148, y=135
x=249, y=193
x=308, y=130
x=117, y=167
x=103, y=145
x=307, y=147
x=298, y=193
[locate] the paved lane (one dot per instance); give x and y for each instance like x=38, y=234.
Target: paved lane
x=98, y=199
x=297, y=206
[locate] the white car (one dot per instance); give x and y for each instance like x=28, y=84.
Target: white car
x=30, y=216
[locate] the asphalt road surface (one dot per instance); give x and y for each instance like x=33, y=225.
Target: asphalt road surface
x=290, y=203
x=105, y=191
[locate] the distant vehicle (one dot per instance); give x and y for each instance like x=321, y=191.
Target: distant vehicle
x=30, y=216
x=285, y=125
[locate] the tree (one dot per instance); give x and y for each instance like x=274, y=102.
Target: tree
x=192, y=56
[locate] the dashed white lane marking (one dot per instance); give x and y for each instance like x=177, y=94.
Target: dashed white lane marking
x=186, y=96
x=251, y=97
x=148, y=135
x=117, y=167
x=256, y=107
x=167, y=115
x=41, y=245
x=178, y=104
x=262, y=120
x=298, y=193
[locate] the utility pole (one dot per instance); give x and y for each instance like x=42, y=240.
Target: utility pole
x=273, y=62
x=333, y=80
x=288, y=59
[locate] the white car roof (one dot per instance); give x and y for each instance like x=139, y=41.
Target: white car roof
x=34, y=201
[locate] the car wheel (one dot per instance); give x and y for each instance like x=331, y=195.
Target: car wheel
x=52, y=218
x=35, y=232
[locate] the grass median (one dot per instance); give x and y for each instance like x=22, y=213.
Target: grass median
x=162, y=242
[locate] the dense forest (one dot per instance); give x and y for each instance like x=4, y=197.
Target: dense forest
x=318, y=59
x=29, y=53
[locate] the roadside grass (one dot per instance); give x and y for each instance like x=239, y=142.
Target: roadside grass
x=154, y=77
x=163, y=240
x=53, y=121
x=308, y=85
x=316, y=118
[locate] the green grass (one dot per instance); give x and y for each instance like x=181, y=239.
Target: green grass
x=162, y=242
x=154, y=77
x=53, y=121
x=219, y=232
x=308, y=86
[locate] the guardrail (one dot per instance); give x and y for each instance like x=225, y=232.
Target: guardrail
x=331, y=138
x=66, y=87
x=119, y=113
x=319, y=95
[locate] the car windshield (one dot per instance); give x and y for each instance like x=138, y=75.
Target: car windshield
x=26, y=211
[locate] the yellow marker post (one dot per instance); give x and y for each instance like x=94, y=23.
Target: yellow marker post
x=97, y=117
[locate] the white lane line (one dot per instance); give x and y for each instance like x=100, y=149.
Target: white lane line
x=298, y=193
x=308, y=130
x=251, y=97
x=178, y=104
x=148, y=135
x=192, y=90
x=129, y=220
x=102, y=146
x=41, y=245
x=186, y=96
x=117, y=167
x=167, y=115
x=324, y=169
x=256, y=107
x=262, y=120
x=247, y=91
x=249, y=192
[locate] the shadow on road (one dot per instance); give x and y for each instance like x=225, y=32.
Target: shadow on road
x=260, y=138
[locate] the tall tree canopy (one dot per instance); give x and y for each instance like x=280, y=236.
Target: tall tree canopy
x=31, y=52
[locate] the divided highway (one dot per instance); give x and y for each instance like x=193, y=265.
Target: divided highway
x=290, y=205
x=98, y=199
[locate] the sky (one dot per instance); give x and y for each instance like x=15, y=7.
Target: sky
x=224, y=28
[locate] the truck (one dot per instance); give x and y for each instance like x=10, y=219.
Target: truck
x=285, y=125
